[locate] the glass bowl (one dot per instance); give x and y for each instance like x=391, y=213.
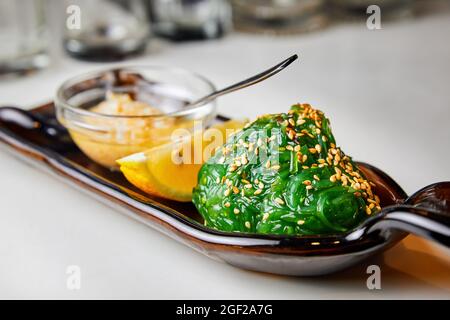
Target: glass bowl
x=106, y=137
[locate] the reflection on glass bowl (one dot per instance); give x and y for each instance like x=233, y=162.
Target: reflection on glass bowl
x=114, y=113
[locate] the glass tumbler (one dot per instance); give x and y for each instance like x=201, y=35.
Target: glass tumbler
x=391, y=9
x=181, y=20
x=23, y=36
x=279, y=16
x=105, y=30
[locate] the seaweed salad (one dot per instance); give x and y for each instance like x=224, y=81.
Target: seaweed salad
x=283, y=174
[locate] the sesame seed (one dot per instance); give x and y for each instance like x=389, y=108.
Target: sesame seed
x=276, y=167
x=301, y=121
x=291, y=121
x=235, y=190
x=297, y=148
x=318, y=131
x=324, y=139
x=368, y=211
x=291, y=135
x=227, y=192
x=257, y=191
x=217, y=180
x=268, y=164
x=309, y=187
x=316, y=177
x=300, y=222
x=261, y=185
x=248, y=224
x=279, y=201
x=333, y=178
x=312, y=150
x=304, y=158
x=233, y=168
x=290, y=148
x=321, y=161
x=307, y=182
x=265, y=216
x=248, y=186
x=227, y=204
x=236, y=210
x=318, y=147
x=245, y=181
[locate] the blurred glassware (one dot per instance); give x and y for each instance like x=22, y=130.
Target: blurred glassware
x=190, y=19
x=279, y=16
x=23, y=36
x=358, y=8
x=109, y=30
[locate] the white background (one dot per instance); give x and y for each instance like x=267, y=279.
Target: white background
x=387, y=93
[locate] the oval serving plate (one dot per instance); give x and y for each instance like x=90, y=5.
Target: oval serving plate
x=36, y=137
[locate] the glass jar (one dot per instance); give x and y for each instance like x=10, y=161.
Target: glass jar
x=390, y=9
x=190, y=19
x=279, y=16
x=23, y=36
x=105, y=30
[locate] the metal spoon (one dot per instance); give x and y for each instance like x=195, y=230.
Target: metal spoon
x=245, y=83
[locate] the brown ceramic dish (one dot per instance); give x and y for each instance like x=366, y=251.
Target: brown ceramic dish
x=36, y=137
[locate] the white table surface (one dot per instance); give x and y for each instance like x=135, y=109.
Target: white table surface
x=388, y=95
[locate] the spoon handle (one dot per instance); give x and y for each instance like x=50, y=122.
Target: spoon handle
x=245, y=83
x=424, y=222
x=426, y=213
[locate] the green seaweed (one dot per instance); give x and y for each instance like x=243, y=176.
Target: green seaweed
x=283, y=174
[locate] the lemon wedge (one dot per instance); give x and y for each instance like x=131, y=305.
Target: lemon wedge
x=170, y=171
